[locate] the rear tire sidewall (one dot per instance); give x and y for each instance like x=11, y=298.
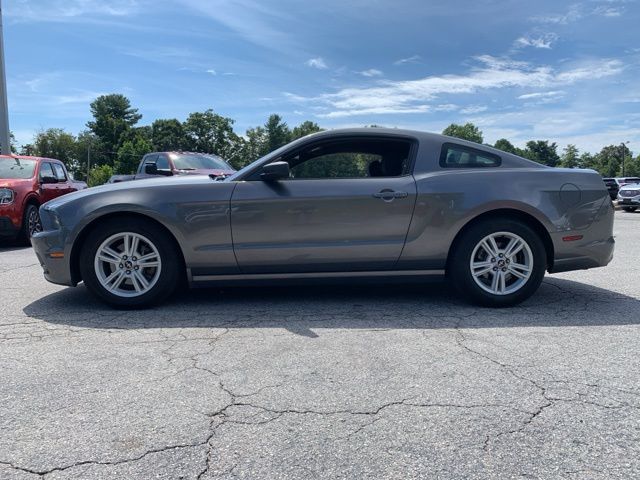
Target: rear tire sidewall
x=630, y=209
x=459, y=271
x=169, y=273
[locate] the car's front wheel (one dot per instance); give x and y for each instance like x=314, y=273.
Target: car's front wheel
x=498, y=263
x=129, y=263
x=30, y=222
x=630, y=209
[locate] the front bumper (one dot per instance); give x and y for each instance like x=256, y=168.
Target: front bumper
x=629, y=201
x=57, y=269
x=8, y=228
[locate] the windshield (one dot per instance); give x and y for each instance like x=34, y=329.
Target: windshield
x=16, y=168
x=195, y=161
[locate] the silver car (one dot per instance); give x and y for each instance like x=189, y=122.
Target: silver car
x=337, y=205
x=629, y=196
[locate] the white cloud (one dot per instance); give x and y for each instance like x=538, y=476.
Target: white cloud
x=411, y=59
x=68, y=10
x=372, y=72
x=471, y=109
x=527, y=96
x=573, y=14
x=607, y=11
x=317, y=62
x=411, y=96
x=211, y=71
x=543, y=41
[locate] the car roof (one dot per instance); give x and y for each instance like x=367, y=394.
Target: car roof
x=30, y=157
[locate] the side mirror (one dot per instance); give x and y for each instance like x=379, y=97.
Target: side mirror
x=151, y=169
x=275, y=171
x=48, y=180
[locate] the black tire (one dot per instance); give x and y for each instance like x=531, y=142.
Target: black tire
x=630, y=209
x=171, y=271
x=459, y=270
x=30, y=223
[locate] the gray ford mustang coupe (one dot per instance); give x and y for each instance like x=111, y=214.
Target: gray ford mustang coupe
x=341, y=204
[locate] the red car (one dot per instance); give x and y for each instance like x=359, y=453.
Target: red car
x=25, y=184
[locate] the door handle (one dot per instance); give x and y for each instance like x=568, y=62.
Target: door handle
x=388, y=195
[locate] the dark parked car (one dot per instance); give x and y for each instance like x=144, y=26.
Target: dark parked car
x=612, y=187
x=168, y=164
x=342, y=204
x=25, y=184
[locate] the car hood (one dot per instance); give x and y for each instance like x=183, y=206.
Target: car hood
x=206, y=171
x=150, y=183
x=630, y=186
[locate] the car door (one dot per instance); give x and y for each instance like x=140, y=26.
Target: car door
x=346, y=207
x=64, y=185
x=48, y=182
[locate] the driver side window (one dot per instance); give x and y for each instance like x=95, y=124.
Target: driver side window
x=357, y=158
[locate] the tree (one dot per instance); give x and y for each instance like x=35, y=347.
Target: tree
x=468, y=131
x=99, y=175
x=305, y=128
x=570, y=158
x=56, y=143
x=542, y=152
x=167, y=135
x=632, y=168
x=112, y=116
x=608, y=161
x=277, y=133
x=130, y=154
x=506, y=146
x=209, y=132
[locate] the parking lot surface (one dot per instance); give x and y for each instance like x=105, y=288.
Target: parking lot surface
x=402, y=381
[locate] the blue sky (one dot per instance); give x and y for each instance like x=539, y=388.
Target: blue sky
x=567, y=72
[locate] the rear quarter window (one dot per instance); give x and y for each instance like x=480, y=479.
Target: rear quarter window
x=460, y=156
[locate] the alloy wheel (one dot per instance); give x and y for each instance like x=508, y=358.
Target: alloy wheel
x=501, y=263
x=127, y=264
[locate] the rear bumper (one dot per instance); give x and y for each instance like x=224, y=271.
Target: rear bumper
x=595, y=247
x=56, y=270
x=591, y=255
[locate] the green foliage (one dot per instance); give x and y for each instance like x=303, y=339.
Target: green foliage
x=99, y=175
x=130, y=154
x=570, y=158
x=168, y=135
x=55, y=143
x=543, y=152
x=208, y=132
x=506, y=146
x=304, y=129
x=112, y=117
x=277, y=133
x=468, y=131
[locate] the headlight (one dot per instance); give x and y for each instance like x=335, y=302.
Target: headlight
x=49, y=218
x=6, y=196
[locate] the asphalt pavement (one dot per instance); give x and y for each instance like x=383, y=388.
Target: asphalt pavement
x=403, y=381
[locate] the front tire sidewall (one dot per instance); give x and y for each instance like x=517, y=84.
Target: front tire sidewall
x=460, y=274
x=630, y=209
x=169, y=273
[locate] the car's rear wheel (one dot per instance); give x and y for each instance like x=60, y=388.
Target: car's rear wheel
x=630, y=209
x=498, y=263
x=130, y=263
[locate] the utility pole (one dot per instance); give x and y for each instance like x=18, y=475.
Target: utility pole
x=623, y=155
x=88, y=160
x=5, y=141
